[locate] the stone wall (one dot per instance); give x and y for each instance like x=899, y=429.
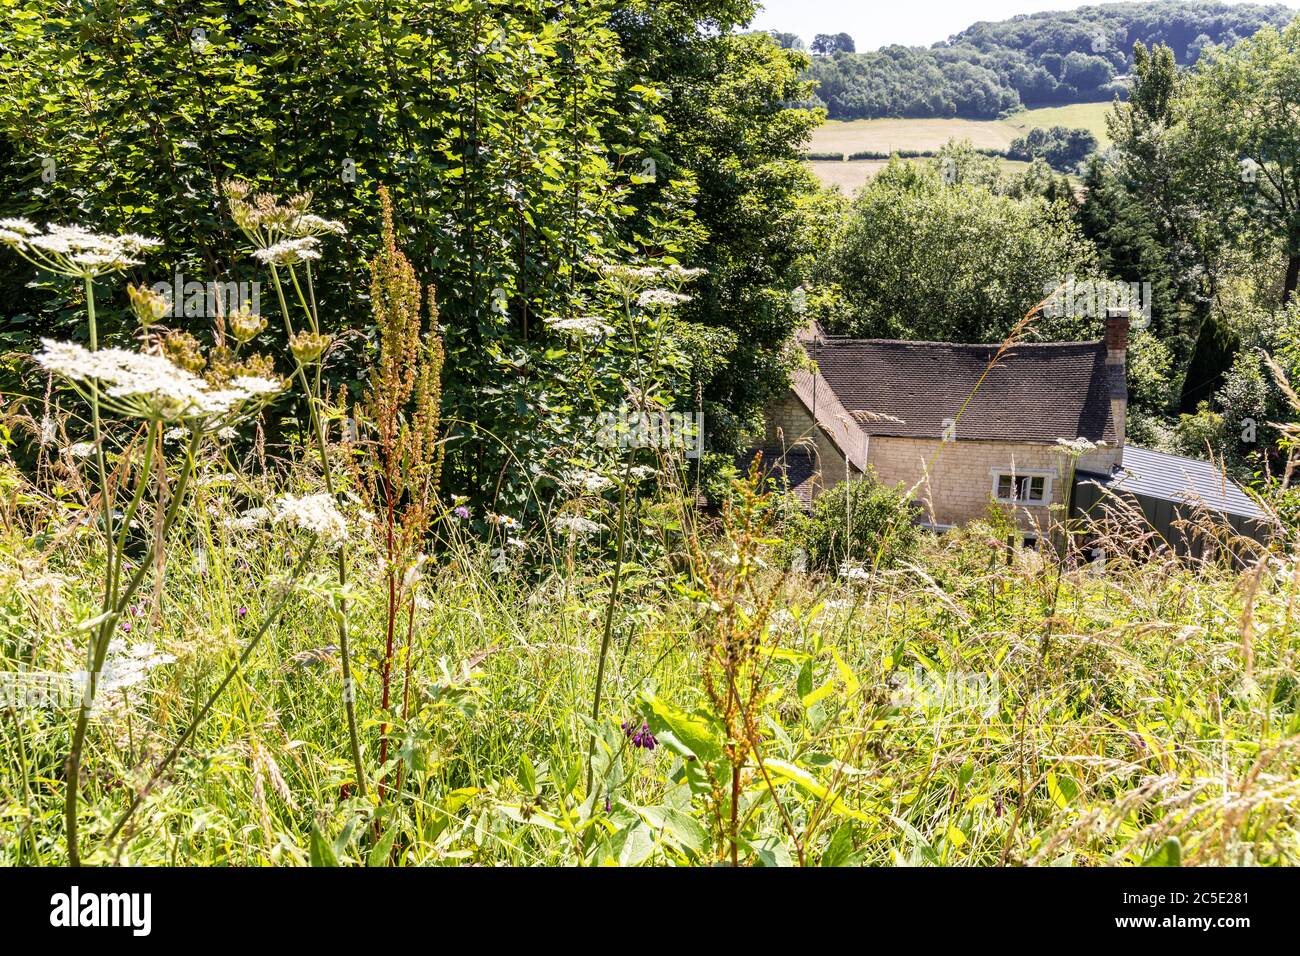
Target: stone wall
x=790, y=427
x=953, y=480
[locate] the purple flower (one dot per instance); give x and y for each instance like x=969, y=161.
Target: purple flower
x=460, y=511
x=607, y=807
x=125, y=627
x=640, y=737
x=242, y=612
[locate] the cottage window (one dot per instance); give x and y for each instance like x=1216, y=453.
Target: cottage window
x=1022, y=488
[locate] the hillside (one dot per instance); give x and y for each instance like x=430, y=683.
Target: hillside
x=1031, y=60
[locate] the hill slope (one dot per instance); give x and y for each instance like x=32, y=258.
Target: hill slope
x=1041, y=59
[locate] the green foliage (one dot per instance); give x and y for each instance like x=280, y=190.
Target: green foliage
x=1241, y=132
x=1063, y=149
x=1035, y=60
x=858, y=522
x=729, y=124
x=920, y=258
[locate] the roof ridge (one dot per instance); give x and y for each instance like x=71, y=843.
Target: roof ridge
x=849, y=340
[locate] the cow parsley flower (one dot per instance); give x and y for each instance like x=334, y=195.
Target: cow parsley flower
x=315, y=513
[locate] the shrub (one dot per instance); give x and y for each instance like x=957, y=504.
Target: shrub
x=856, y=521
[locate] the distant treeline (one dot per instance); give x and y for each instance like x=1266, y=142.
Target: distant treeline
x=901, y=154
x=1031, y=60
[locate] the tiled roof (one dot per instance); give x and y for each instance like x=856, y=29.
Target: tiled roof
x=793, y=471
x=826, y=409
x=1037, y=392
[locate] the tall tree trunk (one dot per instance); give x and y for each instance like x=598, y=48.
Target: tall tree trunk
x=1292, y=278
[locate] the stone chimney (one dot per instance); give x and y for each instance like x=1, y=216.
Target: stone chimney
x=1117, y=321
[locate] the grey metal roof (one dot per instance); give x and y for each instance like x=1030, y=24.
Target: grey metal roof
x=1158, y=474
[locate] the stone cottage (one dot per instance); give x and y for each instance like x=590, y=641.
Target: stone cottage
x=967, y=433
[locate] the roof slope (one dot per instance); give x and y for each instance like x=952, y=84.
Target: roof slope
x=1157, y=474
x=811, y=388
x=1037, y=392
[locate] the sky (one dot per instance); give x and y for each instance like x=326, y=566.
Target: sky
x=877, y=23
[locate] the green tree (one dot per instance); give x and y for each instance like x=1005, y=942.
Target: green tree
x=1241, y=125
x=731, y=130
x=919, y=258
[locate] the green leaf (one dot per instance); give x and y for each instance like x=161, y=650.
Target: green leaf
x=382, y=851
x=322, y=853
x=1169, y=854
x=527, y=776
x=692, y=731
x=839, y=852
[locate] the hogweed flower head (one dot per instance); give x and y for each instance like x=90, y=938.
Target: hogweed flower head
x=151, y=387
x=661, y=298
x=308, y=347
x=581, y=326
x=576, y=524
x=289, y=252
x=148, y=305
x=72, y=250
x=245, y=324
x=309, y=224
x=315, y=513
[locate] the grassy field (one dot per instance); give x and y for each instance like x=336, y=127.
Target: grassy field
x=888, y=135
x=850, y=176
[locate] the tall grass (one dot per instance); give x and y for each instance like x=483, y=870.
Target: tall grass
x=914, y=718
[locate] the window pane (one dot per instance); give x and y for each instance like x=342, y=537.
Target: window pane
x=1004, y=486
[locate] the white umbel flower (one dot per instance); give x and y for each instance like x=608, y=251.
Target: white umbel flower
x=854, y=572
x=150, y=386
x=309, y=224
x=249, y=520
x=289, y=252
x=586, y=326
x=124, y=666
x=576, y=524
x=589, y=482
x=315, y=513
x=74, y=251
x=661, y=298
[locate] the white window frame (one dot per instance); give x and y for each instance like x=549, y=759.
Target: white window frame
x=1048, y=475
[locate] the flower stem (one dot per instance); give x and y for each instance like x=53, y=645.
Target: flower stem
x=322, y=448
x=73, y=765
x=609, y=614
